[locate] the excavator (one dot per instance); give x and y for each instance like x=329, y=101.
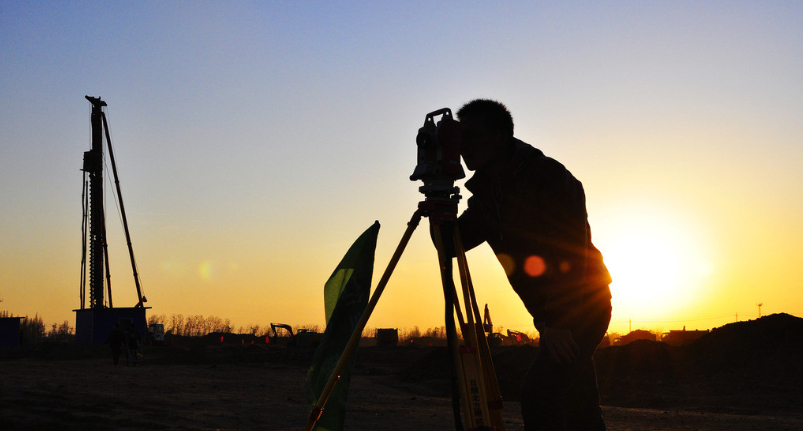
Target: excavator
x=302, y=337
x=287, y=339
x=513, y=338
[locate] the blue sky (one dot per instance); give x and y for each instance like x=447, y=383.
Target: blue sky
x=256, y=140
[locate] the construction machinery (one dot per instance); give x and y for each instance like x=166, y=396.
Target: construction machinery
x=156, y=333
x=94, y=323
x=287, y=339
x=302, y=338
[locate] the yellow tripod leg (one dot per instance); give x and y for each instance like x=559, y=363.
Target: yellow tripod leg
x=468, y=360
x=455, y=350
x=491, y=384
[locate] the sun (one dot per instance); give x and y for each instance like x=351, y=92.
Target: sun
x=656, y=263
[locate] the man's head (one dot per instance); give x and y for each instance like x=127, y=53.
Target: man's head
x=487, y=128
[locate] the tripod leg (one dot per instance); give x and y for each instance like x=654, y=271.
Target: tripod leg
x=490, y=382
x=472, y=358
x=317, y=409
x=459, y=390
x=470, y=362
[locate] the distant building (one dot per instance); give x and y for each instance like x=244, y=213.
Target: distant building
x=10, y=331
x=387, y=336
x=638, y=334
x=681, y=337
x=93, y=325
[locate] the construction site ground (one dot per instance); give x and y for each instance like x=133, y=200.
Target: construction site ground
x=644, y=385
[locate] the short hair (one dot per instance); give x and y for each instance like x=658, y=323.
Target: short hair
x=496, y=115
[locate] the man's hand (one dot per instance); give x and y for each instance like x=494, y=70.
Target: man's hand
x=560, y=344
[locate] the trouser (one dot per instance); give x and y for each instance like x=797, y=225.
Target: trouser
x=562, y=396
x=116, y=355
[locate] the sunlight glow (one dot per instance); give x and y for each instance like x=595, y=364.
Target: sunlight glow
x=657, y=267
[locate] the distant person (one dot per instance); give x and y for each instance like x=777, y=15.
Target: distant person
x=116, y=340
x=132, y=343
x=531, y=210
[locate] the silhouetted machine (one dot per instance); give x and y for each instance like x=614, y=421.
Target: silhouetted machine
x=94, y=222
x=94, y=322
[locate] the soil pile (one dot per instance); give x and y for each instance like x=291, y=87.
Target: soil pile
x=743, y=367
x=772, y=347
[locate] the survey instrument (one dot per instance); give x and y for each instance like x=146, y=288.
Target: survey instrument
x=476, y=398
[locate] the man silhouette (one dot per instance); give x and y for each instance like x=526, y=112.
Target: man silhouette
x=531, y=211
x=116, y=340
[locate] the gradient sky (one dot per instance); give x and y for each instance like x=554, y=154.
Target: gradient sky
x=256, y=140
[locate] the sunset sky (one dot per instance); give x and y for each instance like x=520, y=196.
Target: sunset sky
x=255, y=141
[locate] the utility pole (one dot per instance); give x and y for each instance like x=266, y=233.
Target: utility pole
x=759, y=309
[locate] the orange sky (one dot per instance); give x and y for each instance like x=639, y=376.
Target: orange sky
x=256, y=142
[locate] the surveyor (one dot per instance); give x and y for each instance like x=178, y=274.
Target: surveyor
x=531, y=210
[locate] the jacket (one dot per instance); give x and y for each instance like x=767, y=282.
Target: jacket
x=533, y=215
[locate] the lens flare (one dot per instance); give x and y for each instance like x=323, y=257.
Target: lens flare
x=535, y=266
x=206, y=270
x=507, y=262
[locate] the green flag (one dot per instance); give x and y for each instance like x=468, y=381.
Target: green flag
x=346, y=295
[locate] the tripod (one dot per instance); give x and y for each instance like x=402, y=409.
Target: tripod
x=474, y=383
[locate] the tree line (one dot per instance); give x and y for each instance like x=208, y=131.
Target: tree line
x=191, y=326
x=34, y=328
x=196, y=325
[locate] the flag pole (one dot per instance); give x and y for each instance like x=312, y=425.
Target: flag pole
x=317, y=409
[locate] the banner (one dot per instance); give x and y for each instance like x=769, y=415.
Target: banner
x=346, y=295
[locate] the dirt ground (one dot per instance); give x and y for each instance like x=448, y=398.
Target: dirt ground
x=262, y=388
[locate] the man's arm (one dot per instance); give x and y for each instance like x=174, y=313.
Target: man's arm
x=472, y=227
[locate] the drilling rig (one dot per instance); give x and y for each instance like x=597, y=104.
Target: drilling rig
x=94, y=323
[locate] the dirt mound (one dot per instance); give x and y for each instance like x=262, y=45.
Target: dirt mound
x=742, y=367
x=751, y=365
x=770, y=347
